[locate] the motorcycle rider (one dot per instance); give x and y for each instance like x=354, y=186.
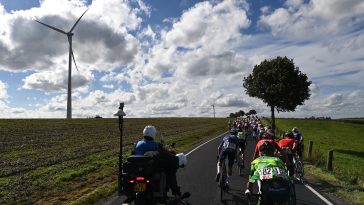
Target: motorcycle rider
x=169, y=162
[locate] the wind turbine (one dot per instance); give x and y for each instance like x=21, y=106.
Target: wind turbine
x=71, y=56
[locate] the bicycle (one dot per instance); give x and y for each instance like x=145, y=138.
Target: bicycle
x=269, y=195
x=240, y=162
x=298, y=168
x=224, y=187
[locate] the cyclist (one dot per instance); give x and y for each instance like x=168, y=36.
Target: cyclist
x=242, y=144
x=267, y=136
x=299, y=138
x=169, y=162
x=266, y=168
x=288, y=146
x=227, y=148
x=261, y=131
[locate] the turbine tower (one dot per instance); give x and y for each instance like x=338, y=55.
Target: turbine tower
x=70, y=57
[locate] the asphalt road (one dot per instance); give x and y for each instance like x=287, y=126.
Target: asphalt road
x=198, y=178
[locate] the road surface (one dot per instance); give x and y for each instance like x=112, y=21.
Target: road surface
x=198, y=178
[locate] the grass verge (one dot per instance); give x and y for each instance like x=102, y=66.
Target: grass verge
x=345, y=139
x=57, y=161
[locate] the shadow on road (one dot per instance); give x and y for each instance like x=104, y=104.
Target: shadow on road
x=235, y=197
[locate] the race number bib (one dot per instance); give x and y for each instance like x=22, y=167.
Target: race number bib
x=229, y=145
x=270, y=172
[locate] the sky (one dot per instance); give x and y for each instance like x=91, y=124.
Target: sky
x=176, y=58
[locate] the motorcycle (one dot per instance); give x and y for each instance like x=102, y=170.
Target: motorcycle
x=144, y=181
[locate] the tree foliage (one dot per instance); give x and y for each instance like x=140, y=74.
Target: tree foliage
x=237, y=114
x=252, y=112
x=279, y=83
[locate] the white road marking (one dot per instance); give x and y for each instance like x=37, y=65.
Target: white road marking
x=318, y=194
x=306, y=185
x=204, y=143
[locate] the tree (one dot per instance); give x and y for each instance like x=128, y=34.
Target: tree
x=237, y=114
x=279, y=84
x=252, y=112
x=240, y=113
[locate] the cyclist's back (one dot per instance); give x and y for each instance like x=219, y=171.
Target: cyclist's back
x=264, y=162
x=269, y=170
x=288, y=146
x=227, y=148
x=229, y=142
x=299, y=139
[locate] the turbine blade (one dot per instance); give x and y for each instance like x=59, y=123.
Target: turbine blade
x=51, y=27
x=73, y=27
x=74, y=59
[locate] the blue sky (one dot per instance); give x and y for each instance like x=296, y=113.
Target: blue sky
x=176, y=57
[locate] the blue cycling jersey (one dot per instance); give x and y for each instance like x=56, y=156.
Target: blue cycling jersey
x=297, y=136
x=229, y=142
x=144, y=146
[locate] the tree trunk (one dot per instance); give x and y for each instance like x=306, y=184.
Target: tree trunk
x=273, y=118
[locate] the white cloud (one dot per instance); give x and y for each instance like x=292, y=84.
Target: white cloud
x=56, y=81
x=314, y=89
x=108, y=86
x=231, y=100
x=199, y=45
x=3, y=91
x=100, y=41
x=315, y=19
x=184, y=68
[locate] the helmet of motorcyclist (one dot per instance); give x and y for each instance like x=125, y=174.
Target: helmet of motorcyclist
x=233, y=131
x=267, y=148
x=150, y=131
x=295, y=130
x=182, y=159
x=289, y=135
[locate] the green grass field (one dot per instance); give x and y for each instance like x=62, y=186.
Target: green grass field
x=347, y=141
x=57, y=161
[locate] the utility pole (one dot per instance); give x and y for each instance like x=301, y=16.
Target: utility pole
x=213, y=107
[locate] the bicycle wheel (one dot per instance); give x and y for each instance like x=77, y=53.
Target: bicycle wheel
x=248, y=197
x=240, y=165
x=292, y=195
x=299, y=172
x=223, y=181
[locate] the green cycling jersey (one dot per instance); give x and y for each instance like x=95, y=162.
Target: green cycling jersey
x=242, y=135
x=265, y=167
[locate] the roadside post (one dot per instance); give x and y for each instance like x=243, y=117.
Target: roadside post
x=309, y=153
x=330, y=157
x=120, y=113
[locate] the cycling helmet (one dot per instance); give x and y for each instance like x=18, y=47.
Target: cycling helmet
x=269, y=134
x=289, y=135
x=150, y=131
x=295, y=130
x=266, y=147
x=182, y=159
x=233, y=131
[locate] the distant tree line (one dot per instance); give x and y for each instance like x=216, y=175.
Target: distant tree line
x=319, y=118
x=241, y=113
